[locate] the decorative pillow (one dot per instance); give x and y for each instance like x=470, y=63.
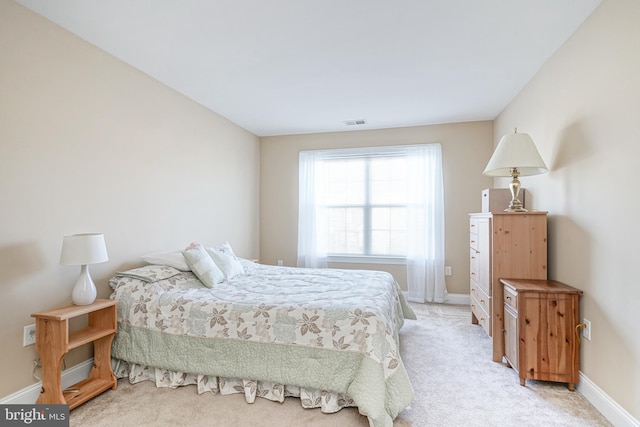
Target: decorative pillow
x=229, y=264
x=173, y=259
x=150, y=273
x=203, y=266
x=225, y=248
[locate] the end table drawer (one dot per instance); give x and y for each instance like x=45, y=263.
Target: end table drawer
x=511, y=297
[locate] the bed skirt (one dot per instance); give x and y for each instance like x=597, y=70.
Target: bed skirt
x=328, y=402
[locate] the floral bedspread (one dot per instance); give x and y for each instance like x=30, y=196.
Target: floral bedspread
x=326, y=329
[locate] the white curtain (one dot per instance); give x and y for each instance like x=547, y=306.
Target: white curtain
x=425, y=251
x=312, y=243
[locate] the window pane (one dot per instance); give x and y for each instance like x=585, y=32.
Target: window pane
x=345, y=182
x=388, y=231
x=346, y=230
x=389, y=218
x=388, y=177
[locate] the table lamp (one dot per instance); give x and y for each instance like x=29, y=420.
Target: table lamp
x=515, y=155
x=84, y=249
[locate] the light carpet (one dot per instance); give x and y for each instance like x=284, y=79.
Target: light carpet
x=449, y=363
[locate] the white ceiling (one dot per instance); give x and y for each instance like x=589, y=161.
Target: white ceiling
x=301, y=66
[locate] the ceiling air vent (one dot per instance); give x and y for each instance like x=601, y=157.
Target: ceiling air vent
x=358, y=122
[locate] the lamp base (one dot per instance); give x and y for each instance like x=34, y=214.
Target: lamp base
x=515, y=205
x=84, y=291
x=510, y=209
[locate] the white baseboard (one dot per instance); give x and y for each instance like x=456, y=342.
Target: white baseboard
x=608, y=407
x=458, y=299
x=29, y=395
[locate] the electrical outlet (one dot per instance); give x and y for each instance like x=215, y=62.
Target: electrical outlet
x=447, y=270
x=280, y=262
x=586, y=331
x=29, y=335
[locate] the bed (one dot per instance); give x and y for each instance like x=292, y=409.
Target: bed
x=327, y=336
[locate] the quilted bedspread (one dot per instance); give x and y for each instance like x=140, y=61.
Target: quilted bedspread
x=326, y=329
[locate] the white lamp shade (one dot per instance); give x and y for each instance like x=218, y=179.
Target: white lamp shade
x=83, y=249
x=515, y=150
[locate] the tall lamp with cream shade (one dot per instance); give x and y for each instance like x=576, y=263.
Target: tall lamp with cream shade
x=84, y=249
x=515, y=155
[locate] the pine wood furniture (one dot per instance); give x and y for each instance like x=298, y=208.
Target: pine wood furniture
x=503, y=245
x=54, y=340
x=541, y=326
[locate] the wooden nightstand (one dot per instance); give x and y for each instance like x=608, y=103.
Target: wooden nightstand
x=53, y=341
x=541, y=330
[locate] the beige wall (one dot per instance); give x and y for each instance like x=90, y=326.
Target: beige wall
x=582, y=110
x=466, y=149
x=89, y=144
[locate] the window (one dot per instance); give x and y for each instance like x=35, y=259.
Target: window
x=375, y=202
x=366, y=205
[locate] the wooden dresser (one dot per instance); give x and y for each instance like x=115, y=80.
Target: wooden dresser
x=541, y=330
x=503, y=245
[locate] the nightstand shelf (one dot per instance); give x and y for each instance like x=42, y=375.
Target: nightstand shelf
x=87, y=335
x=54, y=340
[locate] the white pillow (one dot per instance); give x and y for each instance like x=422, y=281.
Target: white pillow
x=229, y=264
x=173, y=259
x=225, y=248
x=203, y=266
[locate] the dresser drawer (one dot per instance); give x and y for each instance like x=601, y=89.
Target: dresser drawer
x=473, y=264
x=481, y=297
x=473, y=225
x=511, y=297
x=473, y=241
x=481, y=315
